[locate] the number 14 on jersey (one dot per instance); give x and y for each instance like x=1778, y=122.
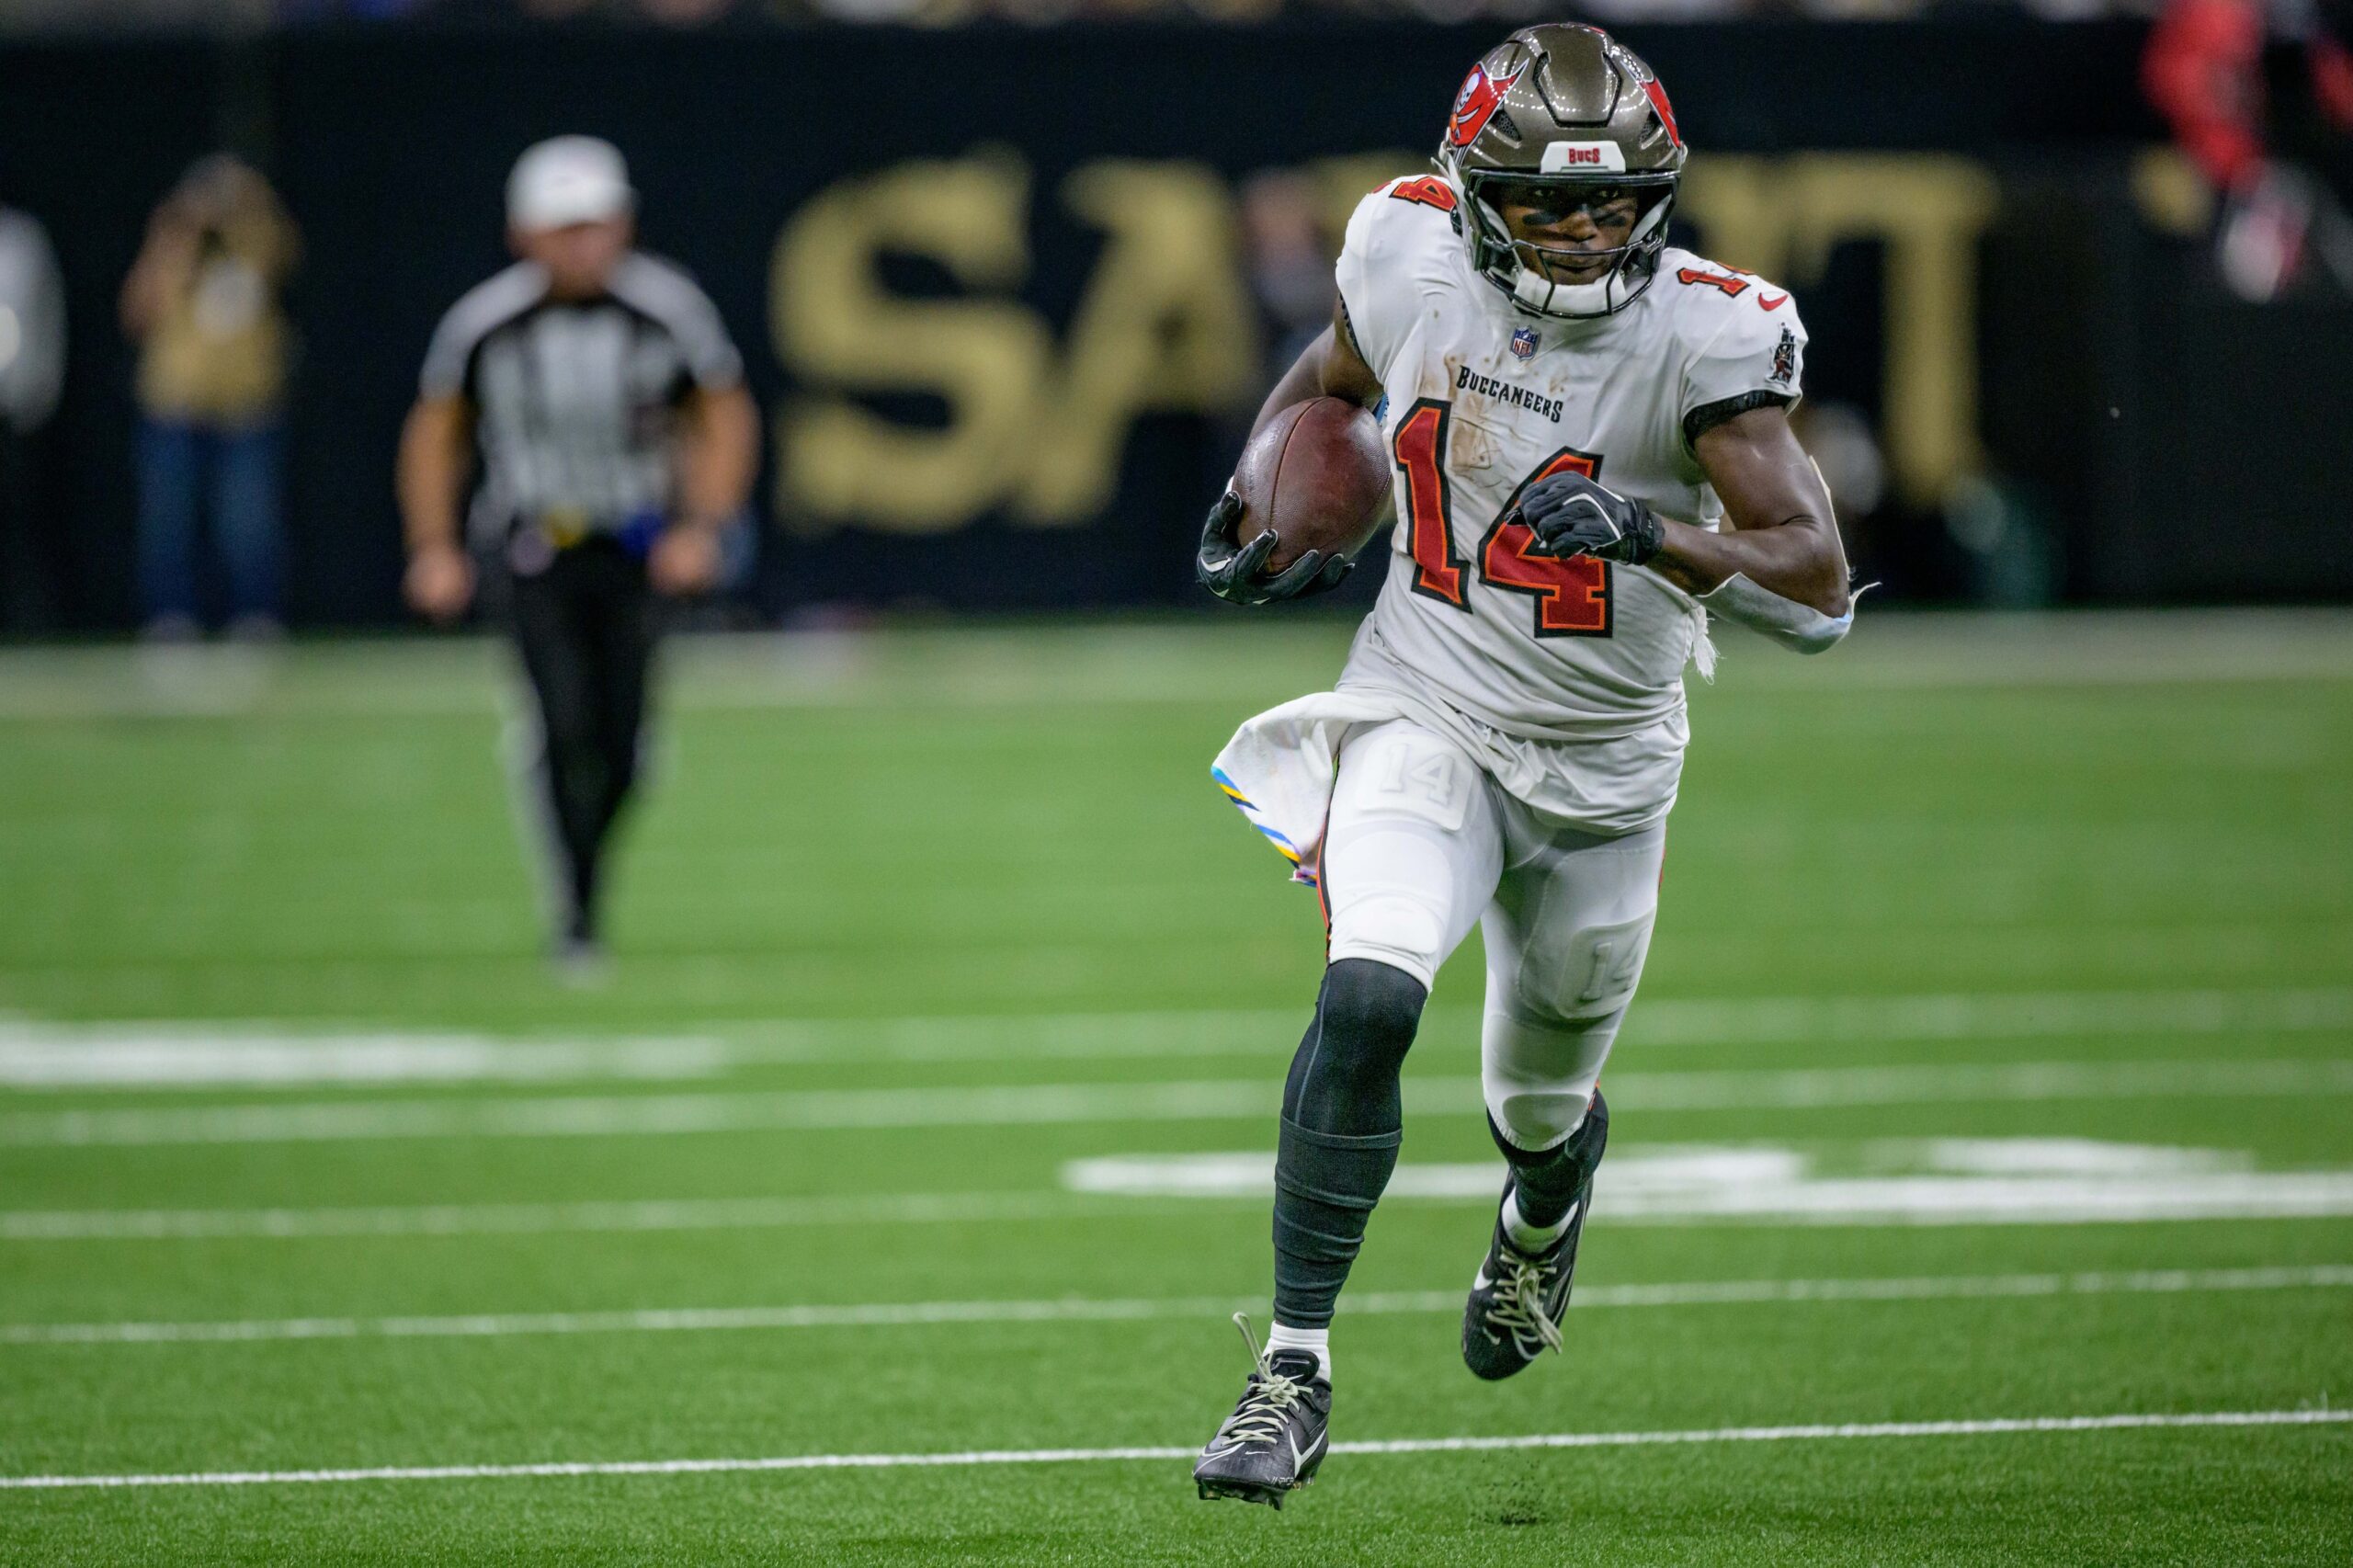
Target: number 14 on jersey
x=1572, y=596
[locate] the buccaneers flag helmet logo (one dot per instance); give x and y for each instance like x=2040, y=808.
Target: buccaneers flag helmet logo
x=1476, y=104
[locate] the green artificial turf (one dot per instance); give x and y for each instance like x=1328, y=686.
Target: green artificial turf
x=985, y=868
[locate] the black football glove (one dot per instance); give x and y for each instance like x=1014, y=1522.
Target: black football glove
x=1233, y=571
x=1570, y=515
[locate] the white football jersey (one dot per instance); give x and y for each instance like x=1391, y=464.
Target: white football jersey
x=1570, y=672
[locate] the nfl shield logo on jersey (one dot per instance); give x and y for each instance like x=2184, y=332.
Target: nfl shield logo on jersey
x=1523, y=344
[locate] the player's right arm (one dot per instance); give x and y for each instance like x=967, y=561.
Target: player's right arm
x=436, y=455
x=1330, y=367
x=1334, y=364
x=436, y=461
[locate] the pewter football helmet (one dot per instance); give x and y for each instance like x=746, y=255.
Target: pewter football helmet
x=1562, y=106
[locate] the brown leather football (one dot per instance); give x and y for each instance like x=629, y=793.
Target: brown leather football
x=1318, y=476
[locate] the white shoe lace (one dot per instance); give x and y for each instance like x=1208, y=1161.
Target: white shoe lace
x=1265, y=1404
x=1519, y=1305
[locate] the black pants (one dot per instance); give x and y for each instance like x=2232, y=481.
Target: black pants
x=24, y=590
x=586, y=626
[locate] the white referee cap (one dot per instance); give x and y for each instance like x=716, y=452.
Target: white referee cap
x=566, y=180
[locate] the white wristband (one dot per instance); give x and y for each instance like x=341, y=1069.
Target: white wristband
x=1786, y=621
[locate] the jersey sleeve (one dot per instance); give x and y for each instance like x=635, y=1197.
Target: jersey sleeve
x=1748, y=356
x=711, y=356
x=449, y=359
x=1375, y=272
x=666, y=293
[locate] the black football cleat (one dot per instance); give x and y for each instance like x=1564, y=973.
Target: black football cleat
x=1276, y=1437
x=1517, y=1301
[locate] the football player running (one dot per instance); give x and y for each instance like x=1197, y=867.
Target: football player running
x=1592, y=447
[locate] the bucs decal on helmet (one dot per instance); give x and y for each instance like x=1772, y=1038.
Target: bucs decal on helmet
x=1657, y=95
x=1476, y=104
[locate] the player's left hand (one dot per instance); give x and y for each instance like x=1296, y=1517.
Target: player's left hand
x=1570, y=515
x=1233, y=571
x=685, y=560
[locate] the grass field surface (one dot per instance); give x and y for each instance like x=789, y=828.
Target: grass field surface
x=1981, y=1187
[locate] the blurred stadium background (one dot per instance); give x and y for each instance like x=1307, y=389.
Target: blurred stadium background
x=1993, y=1064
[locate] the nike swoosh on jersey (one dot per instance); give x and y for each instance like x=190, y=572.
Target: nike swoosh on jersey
x=1775, y=303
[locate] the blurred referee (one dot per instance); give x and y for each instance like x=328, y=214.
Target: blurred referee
x=595, y=391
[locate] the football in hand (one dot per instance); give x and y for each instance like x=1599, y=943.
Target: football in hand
x=1317, y=476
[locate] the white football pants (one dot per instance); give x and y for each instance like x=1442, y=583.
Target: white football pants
x=1422, y=842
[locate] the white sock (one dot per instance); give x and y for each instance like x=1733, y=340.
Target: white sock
x=1317, y=1341
x=1531, y=1238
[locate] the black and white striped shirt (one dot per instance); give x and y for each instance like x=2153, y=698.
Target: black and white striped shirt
x=577, y=401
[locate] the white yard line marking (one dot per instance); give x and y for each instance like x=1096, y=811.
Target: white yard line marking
x=903, y=1314
x=542, y=1219
x=1806, y=1088
x=1210, y=1100
x=1946, y=1181
x=146, y=1056
x=594, y=1117
x=2021, y=1181
x=1866, y=1204
x=1713, y=1021
x=2014, y=1015
x=1851, y=1431
x=52, y=1056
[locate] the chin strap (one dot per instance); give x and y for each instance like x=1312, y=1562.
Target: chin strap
x=1539, y=293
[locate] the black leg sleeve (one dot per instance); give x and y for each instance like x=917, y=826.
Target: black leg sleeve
x=1551, y=1182
x=1343, y=1121
x=24, y=585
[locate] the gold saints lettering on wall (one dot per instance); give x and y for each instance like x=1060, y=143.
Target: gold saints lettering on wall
x=1036, y=428
x=1782, y=217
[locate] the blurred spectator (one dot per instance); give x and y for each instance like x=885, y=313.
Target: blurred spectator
x=2280, y=155
x=686, y=13
x=1290, y=262
x=1839, y=438
x=32, y=367
x=1845, y=447
x=202, y=304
